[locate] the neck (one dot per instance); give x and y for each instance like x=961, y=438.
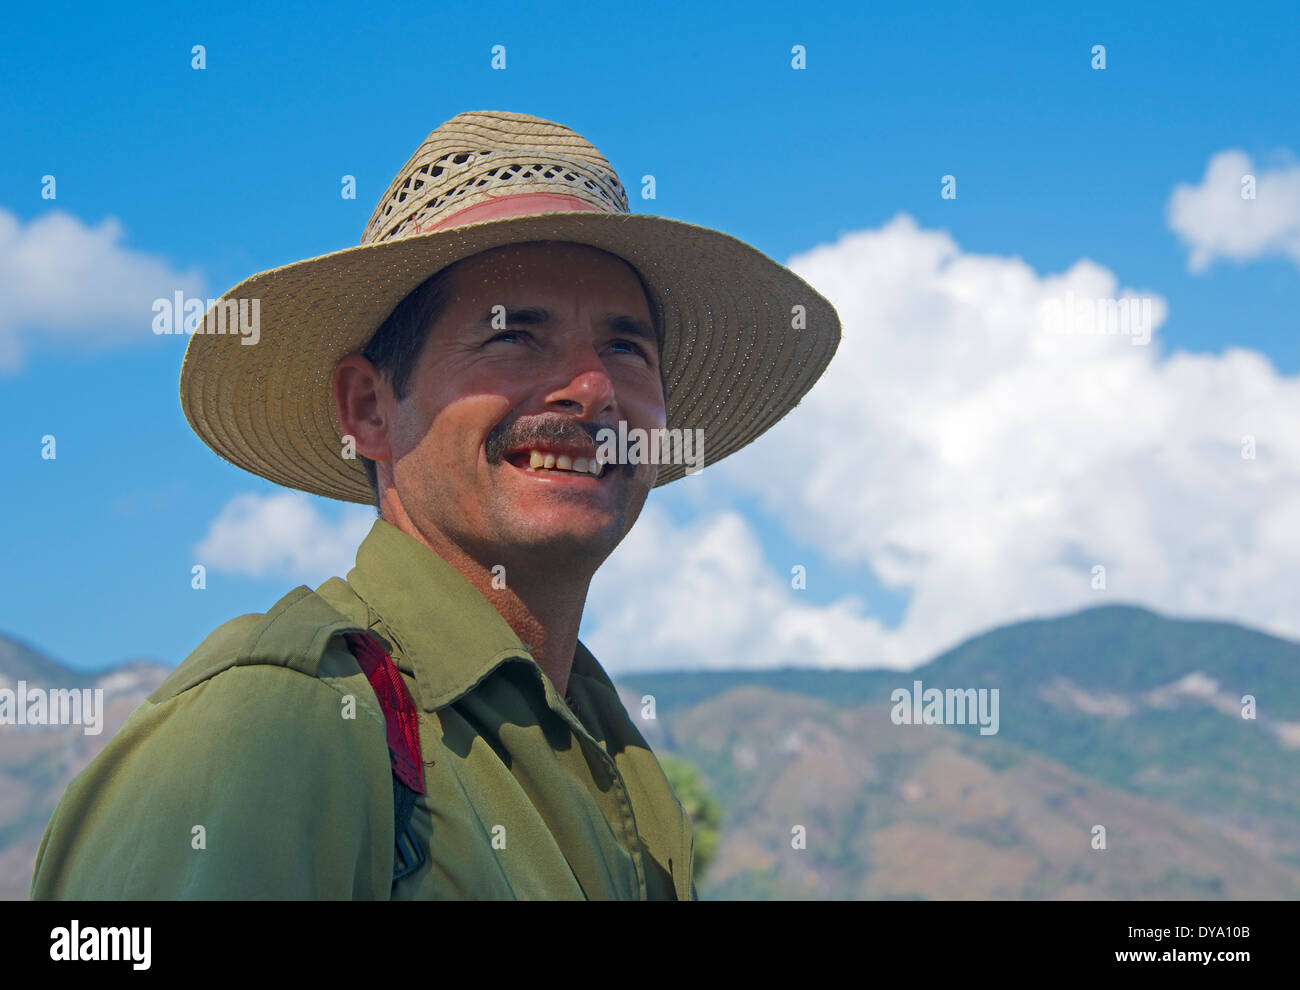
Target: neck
x=545, y=614
x=543, y=605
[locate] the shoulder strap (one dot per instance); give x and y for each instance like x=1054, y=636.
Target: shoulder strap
x=403, y=728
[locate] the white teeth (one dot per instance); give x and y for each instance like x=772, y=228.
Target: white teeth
x=563, y=462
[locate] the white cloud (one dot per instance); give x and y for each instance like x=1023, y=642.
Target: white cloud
x=283, y=535
x=64, y=280
x=702, y=595
x=981, y=464
x=1216, y=222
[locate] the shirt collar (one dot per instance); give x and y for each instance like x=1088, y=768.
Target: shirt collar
x=448, y=636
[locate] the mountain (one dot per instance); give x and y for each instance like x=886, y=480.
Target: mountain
x=38, y=761
x=1112, y=717
x=18, y=661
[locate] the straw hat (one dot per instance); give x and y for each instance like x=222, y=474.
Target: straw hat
x=737, y=355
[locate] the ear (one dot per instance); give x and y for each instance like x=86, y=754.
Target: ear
x=361, y=397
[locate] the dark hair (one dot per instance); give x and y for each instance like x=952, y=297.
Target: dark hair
x=396, y=346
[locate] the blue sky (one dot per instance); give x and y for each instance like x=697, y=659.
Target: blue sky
x=214, y=175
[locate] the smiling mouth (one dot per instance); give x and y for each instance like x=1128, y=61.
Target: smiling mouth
x=538, y=461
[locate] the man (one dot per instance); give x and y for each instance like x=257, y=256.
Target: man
x=431, y=727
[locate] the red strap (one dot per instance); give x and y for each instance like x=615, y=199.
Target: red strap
x=399, y=710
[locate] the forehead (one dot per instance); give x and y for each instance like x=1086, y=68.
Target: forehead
x=536, y=282
x=544, y=265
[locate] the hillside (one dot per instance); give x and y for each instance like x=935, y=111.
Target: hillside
x=1113, y=717
x=37, y=762
x=1127, y=704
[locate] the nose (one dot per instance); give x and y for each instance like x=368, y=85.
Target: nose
x=588, y=392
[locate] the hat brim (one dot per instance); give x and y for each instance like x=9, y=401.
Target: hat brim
x=733, y=364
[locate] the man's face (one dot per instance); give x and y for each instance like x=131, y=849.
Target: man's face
x=564, y=354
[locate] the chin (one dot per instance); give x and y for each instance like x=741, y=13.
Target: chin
x=561, y=541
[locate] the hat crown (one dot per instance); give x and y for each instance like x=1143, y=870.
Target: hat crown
x=483, y=155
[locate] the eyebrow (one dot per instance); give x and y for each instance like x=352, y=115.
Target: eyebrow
x=630, y=326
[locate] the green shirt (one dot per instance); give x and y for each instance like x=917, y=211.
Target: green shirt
x=259, y=769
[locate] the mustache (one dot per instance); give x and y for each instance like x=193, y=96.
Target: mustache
x=537, y=431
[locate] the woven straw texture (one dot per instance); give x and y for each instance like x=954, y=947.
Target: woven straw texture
x=732, y=364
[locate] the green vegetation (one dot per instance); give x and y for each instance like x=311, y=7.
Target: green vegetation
x=705, y=812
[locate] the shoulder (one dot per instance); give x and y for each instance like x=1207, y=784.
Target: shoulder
x=281, y=685
x=250, y=762
x=302, y=631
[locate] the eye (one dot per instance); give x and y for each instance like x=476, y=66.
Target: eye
x=509, y=333
x=635, y=347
